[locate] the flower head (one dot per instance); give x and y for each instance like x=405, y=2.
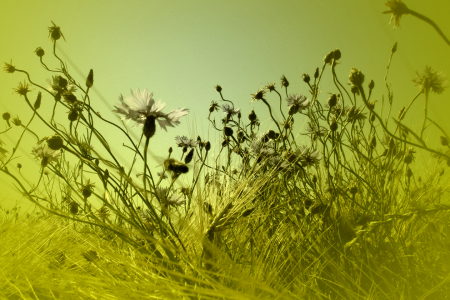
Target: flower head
x=213, y=107
x=22, y=89
x=259, y=95
x=45, y=154
x=184, y=141
x=59, y=85
x=316, y=130
x=87, y=188
x=397, y=9
x=55, y=33
x=308, y=156
x=9, y=68
x=431, y=80
x=229, y=110
x=297, y=103
x=270, y=87
x=141, y=105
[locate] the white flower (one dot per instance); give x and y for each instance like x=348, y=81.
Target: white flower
x=184, y=141
x=298, y=100
x=142, y=105
x=229, y=109
x=55, y=88
x=45, y=154
x=308, y=156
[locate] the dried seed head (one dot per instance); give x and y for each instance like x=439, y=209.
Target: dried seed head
x=353, y=189
x=170, y=150
x=332, y=101
x=240, y=134
x=373, y=142
x=39, y=51
x=62, y=82
x=73, y=206
x=55, y=142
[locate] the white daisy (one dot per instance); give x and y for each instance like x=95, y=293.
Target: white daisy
x=142, y=105
x=184, y=141
x=45, y=154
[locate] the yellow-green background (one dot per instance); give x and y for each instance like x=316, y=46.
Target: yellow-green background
x=181, y=49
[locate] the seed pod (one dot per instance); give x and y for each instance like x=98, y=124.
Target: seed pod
x=373, y=142
x=372, y=117
x=400, y=114
x=6, y=116
x=394, y=48
x=170, y=150
x=189, y=157
x=271, y=134
x=87, y=192
x=327, y=59
x=240, y=134
x=73, y=208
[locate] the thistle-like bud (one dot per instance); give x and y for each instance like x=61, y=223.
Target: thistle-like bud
x=55, y=142
x=170, y=150
x=353, y=189
x=371, y=84
x=252, y=116
x=149, y=127
x=184, y=149
x=354, y=89
x=316, y=73
x=394, y=48
x=87, y=192
x=6, y=116
x=224, y=142
x=57, y=97
x=332, y=101
x=37, y=103
x=199, y=139
x=409, y=173
x=293, y=109
x=16, y=121
x=284, y=81
x=356, y=77
x=208, y=146
x=106, y=174
x=62, y=82
x=90, y=79
x=306, y=78
x=240, y=134
x=189, y=157
x=228, y=131
x=373, y=142
x=444, y=141
x=239, y=115
x=19, y=166
x=372, y=117
x=218, y=88
x=73, y=115
x=39, y=51
x=333, y=124
x=97, y=162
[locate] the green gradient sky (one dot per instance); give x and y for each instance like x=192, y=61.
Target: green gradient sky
x=181, y=49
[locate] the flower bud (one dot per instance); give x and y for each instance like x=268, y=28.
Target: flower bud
x=19, y=166
x=316, y=73
x=306, y=78
x=284, y=81
x=354, y=89
x=6, y=116
x=228, y=131
x=333, y=124
x=37, y=103
x=87, y=192
x=58, y=97
x=394, y=48
x=16, y=121
x=149, y=127
x=337, y=54
x=208, y=146
x=96, y=161
x=239, y=115
x=218, y=88
x=293, y=109
x=240, y=134
x=371, y=84
x=252, y=116
x=400, y=114
x=55, y=142
x=444, y=141
x=189, y=157
x=90, y=79
x=356, y=77
x=106, y=174
x=373, y=142
x=353, y=189
x=224, y=142
x=332, y=101
x=409, y=173
x=327, y=59
x=372, y=117
x=39, y=51
x=170, y=150
x=73, y=115
x=184, y=149
x=271, y=134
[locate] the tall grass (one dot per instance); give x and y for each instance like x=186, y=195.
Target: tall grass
x=341, y=214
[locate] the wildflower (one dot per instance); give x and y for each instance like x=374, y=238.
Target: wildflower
x=397, y=9
x=55, y=142
x=431, y=80
x=55, y=33
x=229, y=110
x=39, y=51
x=356, y=77
x=332, y=101
x=184, y=141
x=270, y=87
x=308, y=156
x=9, y=68
x=87, y=188
x=175, y=200
x=354, y=113
x=45, y=154
x=213, y=107
x=57, y=86
x=297, y=103
x=260, y=148
x=141, y=106
x=22, y=89
x=259, y=95
x=103, y=212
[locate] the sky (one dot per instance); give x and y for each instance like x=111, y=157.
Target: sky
x=180, y=50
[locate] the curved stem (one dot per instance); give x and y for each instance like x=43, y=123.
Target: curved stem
x=429, y=21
